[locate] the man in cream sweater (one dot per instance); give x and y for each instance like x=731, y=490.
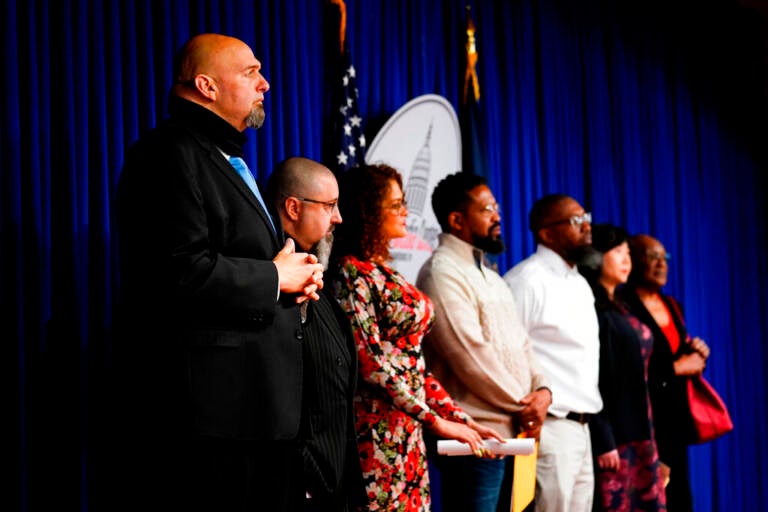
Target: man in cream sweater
x=478, y=349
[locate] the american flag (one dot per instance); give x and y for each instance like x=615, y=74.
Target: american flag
x=349, y=124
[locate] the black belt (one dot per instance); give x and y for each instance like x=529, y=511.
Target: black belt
x=580, y=417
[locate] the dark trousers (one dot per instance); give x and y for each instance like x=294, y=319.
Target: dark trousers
x=470, y=484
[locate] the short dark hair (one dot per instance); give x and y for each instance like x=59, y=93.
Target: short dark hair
x=542, y=210
x=452, y=194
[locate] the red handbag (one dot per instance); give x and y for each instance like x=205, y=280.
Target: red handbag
x=708, y=411
x=710, y=416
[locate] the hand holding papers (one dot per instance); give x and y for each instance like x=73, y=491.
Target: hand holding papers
x=509, y=447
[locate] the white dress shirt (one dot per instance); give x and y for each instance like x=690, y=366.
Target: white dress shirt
x=557, y=308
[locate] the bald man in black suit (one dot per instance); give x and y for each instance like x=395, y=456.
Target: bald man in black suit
x=210, y=344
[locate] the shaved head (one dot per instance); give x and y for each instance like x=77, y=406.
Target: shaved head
x=221, y=74
x=205, y=54
x=199, y=54
x=306, y=194
x=643, y=242
x=297, y=176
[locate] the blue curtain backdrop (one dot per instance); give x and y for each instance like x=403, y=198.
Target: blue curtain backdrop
x=652, y=115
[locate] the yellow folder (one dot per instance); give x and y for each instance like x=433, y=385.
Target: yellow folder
x=524, y=479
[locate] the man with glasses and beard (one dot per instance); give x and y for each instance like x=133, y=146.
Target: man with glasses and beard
x=478, y=348
x=556, y=307
x=306, y=196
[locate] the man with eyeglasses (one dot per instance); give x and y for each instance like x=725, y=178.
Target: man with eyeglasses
x=556, y=306
x=305, y=194
x=478, y=348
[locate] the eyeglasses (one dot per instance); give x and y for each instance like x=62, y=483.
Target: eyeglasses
x=653, y=256
x=491, y=208
x=330, y=206
x=399, y=206
x=576, y=221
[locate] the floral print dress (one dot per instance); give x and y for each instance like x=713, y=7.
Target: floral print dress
x=395, y=396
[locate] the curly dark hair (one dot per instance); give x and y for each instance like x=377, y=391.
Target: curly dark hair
x=361, y=196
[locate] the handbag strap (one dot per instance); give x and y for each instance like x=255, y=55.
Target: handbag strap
x=679, y=314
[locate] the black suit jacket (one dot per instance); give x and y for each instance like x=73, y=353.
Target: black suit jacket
x=210, y=350
x=668, y=392
x=331, y=458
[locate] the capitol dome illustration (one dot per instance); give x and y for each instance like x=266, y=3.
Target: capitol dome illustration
x=416, y=188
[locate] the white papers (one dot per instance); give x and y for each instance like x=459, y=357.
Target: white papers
x=509, y=447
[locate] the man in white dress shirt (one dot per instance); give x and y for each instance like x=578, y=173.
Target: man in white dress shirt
x=556, y=307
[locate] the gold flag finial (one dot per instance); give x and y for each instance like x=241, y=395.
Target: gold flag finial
x=342, y=22
x=470, y=74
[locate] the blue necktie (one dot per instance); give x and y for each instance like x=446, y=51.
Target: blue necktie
x=242, y=169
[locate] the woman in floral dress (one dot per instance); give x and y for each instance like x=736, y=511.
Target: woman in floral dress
x=395, y=398
x=627, y=470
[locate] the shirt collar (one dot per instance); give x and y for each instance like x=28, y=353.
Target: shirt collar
x=555, y=262
x=463, y=250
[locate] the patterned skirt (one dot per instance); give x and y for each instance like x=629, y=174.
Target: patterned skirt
x=637, y=485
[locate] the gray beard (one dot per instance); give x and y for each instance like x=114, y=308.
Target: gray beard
x=323, y=250
x=256, y=118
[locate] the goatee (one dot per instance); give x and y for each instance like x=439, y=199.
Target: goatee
x=256, y=117
x=323, y=250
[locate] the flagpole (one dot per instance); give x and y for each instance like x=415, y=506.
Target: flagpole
x=470, y=73
x=342, y=23
x=349, y=144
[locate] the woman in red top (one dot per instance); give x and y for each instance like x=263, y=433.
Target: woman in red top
x=675, y=358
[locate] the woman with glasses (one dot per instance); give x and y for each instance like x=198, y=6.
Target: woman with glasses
x=395, y=398
x=675, y=357
x=627, y=471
